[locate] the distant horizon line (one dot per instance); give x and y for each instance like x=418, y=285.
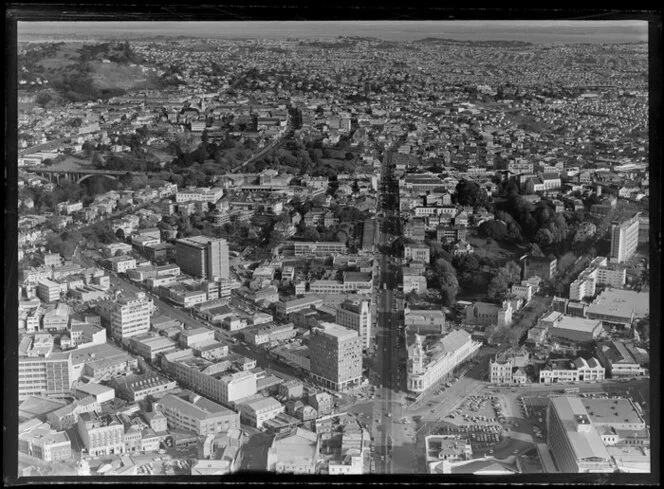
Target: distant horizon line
x=535, y=32
x=39, y=38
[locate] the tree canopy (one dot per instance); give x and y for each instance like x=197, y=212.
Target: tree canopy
x=470, y=193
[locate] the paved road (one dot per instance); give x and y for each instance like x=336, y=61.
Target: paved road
x=388, y=369
x=267, y=148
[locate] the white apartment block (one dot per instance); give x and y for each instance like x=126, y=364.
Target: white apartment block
x=318, y=247
x=130, y=316
x=624, y=239
x=598, y=272
x=199, y=195
x=49, y=290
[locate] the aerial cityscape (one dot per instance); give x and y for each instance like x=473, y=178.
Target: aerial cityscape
x=334, y=250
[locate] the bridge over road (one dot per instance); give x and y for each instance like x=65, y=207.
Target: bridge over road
x=79, y=174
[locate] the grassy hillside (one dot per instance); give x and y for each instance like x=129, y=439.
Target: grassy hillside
x=77, y=72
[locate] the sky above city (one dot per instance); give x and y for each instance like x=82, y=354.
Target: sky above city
x=480, y=30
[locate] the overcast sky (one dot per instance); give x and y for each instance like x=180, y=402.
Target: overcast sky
x=534, y=31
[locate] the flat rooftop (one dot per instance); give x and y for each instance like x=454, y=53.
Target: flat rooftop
x=196, y=331
x=610, y=411
x=263, y=403
x=93, y=388
x=35, y=406
x=621, y=303
x=338, y=331
x=298, y=447
x=577, y=324
x=98, y=353
x=584, y=444
x=200, y=408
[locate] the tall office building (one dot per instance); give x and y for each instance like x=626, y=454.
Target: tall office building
x=202, y=256
x=47, y=375
x=574, y=441
x=336, y=356
x=130, y=316
x=356, y=315
x=624, y=239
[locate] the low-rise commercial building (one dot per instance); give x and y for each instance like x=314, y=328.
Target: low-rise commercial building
x=575, y=329
x=619, y=308
x=210, y=379
x=192, y=412
x=45, y=444
x=294, y=452
x=579, y=370
x=67, y=416
x=56, y=318
x=270, y=335
x=619, y=360
x=257, y=412
x=503, y=368
x=151, y=345
x=99, y=361
x=284, y=308
x=191, y=337
x=134, y=388
x=101, y=434
x=98, y=392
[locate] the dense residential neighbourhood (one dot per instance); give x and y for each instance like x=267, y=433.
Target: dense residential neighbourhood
x=332, y=256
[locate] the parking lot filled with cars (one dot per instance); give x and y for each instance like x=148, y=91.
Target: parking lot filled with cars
x=479, y=409
x=481, y=437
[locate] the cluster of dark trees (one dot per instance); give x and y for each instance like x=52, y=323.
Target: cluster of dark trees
x=452, y=275
x=64, y=243
x=472, y=194
x=115, y=162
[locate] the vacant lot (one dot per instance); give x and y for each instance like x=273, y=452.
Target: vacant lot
x=114, y=75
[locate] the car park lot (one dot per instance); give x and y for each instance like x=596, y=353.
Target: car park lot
x=482, y=438
x=479, y=409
